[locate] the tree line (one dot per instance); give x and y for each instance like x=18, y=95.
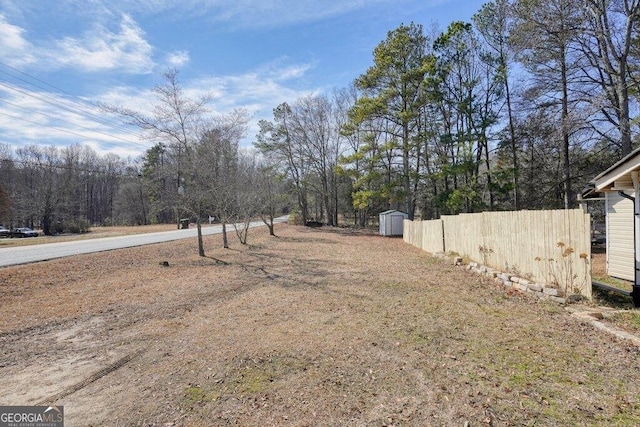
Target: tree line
x=517, y=109
x=195, y=170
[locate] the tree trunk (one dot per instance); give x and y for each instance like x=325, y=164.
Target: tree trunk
x=269, y=223
x=225, y=239
x=624, y=122
x=565, y=133
x=200, y=242
x=514, y=148
x=406, y=169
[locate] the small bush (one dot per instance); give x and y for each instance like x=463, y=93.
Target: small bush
x=79, y=226
x=295, y=218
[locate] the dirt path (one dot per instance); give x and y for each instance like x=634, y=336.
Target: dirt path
x=315, y=327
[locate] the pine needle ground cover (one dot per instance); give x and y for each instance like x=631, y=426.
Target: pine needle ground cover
x=314, y=327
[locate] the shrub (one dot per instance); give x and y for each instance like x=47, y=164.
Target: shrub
x=79, y=226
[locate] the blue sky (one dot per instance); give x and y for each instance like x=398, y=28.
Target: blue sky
x=59, y=57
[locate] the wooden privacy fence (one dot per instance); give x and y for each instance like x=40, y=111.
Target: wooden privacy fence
x=549, y=247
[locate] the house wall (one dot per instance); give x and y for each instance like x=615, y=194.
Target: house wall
x=619, y=223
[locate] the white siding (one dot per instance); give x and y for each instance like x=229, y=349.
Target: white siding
x=620, y=250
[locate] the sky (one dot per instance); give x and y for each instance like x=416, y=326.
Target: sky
x=59, y=59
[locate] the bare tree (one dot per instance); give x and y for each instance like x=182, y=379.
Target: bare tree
x=494, y=22
x=216, y=165
x=43, y=186
x=177, y=123
x=545, y=36
x=611, y=29
x=271, y=194
x=277, y=140
x=7, y=182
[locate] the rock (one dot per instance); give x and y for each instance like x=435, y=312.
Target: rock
x=534, y=287
x=575, y=298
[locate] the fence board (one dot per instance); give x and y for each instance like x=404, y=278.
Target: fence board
x=549, y=246
x=433, y=236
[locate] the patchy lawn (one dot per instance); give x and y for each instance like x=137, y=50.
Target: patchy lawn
x=314, y=327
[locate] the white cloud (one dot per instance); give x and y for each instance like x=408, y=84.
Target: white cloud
x=126, y=51
x=264, y=86
x=257, y=91
x=178, y=58
x=50, y=119
x=240, y=13
x=14, y=48
x=271, y=13
x=280, y=70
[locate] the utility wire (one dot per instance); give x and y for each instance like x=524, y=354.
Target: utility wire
x=81, y=103
x=57, y=128
x=80, y=169
x=66, y=121
x=78, y=108
x=56, y=103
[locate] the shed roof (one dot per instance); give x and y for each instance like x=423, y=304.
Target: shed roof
x=390, y=211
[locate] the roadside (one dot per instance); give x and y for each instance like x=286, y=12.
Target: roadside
x=17, y=255
x=94, y=233
x=315, y=327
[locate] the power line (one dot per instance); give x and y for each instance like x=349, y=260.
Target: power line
x=56, y=103
x=34, y=78
x=74, y=107
x=66, y=121
x=55, y=127
x=88, y=109
x=78, y=169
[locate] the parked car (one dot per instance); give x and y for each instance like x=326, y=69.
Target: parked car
x=4, y=232
x=23, y=232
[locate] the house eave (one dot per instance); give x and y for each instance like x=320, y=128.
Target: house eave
x=609, y=180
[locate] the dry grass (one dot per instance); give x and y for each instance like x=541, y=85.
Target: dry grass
x=315, y=327
x=94, y=232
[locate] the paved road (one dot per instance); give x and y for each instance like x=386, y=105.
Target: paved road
x=32, y=253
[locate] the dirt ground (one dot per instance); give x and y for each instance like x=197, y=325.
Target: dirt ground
x=315, y=327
